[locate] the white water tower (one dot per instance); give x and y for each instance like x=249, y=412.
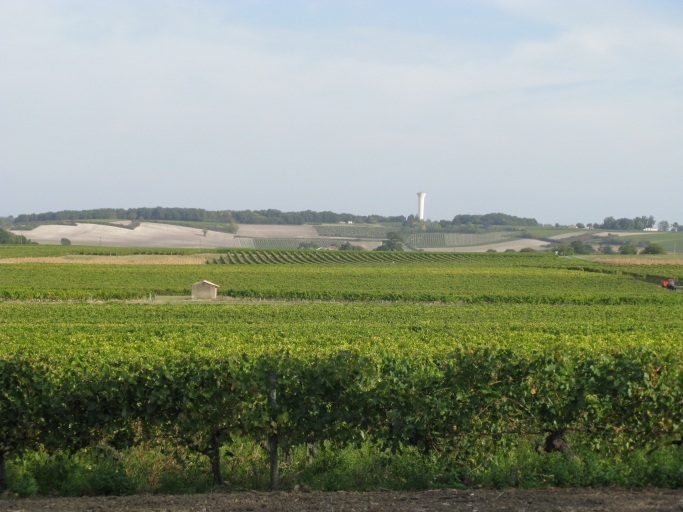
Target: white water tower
x=421, y=205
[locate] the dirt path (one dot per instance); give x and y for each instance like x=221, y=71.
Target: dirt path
x=559, y=500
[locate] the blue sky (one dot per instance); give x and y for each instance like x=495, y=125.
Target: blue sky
x=563, y=111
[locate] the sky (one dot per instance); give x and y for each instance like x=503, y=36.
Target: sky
x=562, y=111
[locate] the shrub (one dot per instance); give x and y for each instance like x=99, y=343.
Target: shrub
x=653, y=249
x=581, y=248
x=491, y=250
x=66, y=241
x=628, y=249
x=510, y=250
x=565, y=250
x=528, y=249
x=606, y=249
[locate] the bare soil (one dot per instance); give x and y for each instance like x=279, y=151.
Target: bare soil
x=557, y=500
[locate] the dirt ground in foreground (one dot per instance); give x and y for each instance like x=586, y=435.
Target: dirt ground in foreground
x=553, y=500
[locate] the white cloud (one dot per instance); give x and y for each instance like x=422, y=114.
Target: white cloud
x=173, y=104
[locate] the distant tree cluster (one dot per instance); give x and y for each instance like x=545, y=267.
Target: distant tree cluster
x=637, y=223
x=576, y=247
x=200, y=215
x=469, y=223
x=348, y=246
x=392, y=243
x=8, y=238
x=493, y=219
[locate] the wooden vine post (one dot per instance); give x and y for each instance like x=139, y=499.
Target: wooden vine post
x=272, y=441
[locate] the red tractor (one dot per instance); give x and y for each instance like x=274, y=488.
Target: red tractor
x=669, y=284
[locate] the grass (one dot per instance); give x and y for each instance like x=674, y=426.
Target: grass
x=159, y=469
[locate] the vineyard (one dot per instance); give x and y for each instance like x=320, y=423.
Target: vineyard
x=456, y=358
x=355, y=231
x=335, y=275
x=456, y=239
x=456, y=381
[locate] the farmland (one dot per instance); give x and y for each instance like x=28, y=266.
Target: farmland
x=454, y=362
x=432, y=378
x=417, y=277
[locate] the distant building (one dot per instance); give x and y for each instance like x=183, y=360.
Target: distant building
x=650, y=229
x=204, y=290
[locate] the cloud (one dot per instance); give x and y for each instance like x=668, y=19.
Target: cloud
x=196, y=104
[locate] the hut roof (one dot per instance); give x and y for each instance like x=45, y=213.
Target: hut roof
x=207, y=282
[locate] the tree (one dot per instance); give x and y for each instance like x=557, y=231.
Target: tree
x=565, y=250
x=309, y=245
x=675, y=227
x=628, y=249
x=580, y=225
x=581, y=248
x=347, y=246
x=65, y=241
x=606, y=249
x=510, y=250
x=663, y=225
x=527, y=249
x=392, y=243
x=7, y=237
x=491, y=250
x=653, y=249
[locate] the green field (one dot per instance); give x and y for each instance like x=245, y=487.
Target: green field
x=669, y=240
x=420, y=277
x=355, y=231
x=456, y=367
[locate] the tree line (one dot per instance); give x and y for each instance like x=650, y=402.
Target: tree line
x=270, y=216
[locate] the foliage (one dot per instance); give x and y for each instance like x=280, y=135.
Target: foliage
x=348, y=246
x=581, y=248
x=527, y=249
x=198, y=377
x=7, y=237
x=606, y=249
x=497, y=219
x=201, y=215
x=65, y=241
x=653, y=248
x=565, y=250
x=638, y=223
x=628, y=249
x=394, y=242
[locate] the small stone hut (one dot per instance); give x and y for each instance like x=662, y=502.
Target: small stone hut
x=204, y=290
